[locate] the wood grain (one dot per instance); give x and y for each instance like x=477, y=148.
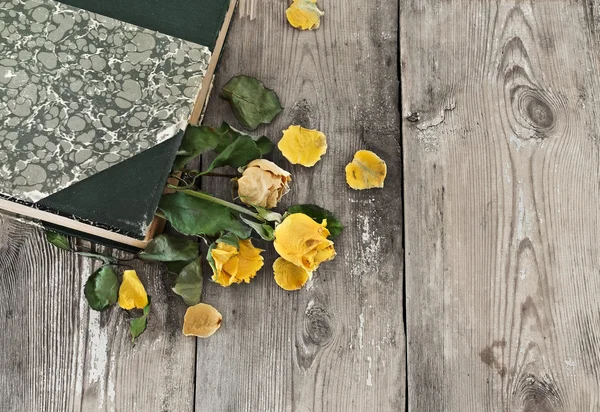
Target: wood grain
x=501, y=163
x=58, y=355
x=336, y=345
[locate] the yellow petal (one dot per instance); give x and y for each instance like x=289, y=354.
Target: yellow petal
x=304, y=14
x=250, y=261
x=201, y=320
x=289, y=276
x=303, y=242
x=366, y=171
x=131, y=292
x=302, y=146
x=236, y=266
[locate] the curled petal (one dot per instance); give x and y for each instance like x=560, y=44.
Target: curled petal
x=289, y=276
x=304, y=14
x=366, y=171
x=201, y=320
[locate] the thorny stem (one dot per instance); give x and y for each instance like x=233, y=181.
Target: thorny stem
x=206, y=196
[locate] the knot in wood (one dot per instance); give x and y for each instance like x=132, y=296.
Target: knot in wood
x=534, y=111
x=539, y=395
x=539, y=113
x=317, y=325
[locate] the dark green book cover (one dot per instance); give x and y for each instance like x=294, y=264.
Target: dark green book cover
x=93, y=100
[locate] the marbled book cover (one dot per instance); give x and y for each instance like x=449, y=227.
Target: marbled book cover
x=81, y=92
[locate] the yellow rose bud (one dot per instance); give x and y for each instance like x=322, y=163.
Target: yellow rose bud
x=263, y=183
x=132, y=293
x=303, y=242
x=233, y=265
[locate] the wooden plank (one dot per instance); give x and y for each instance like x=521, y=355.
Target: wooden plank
x=501, y=197
x=58, y=355
x=336, y=345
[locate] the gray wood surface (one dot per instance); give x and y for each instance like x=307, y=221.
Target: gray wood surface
x=338, y=344
x=58, y=355
x=501, y=197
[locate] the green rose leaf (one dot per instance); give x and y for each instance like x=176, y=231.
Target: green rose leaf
x=230, y=239
x=58, y=240
x=176, y=266
x=268, y=215
x=251, y=101
x=188, y=284
x=265, y=231
x=102, y=288
x=230, y=134
x=317, y=213
x=137, y=326
x=196, y=140
x=201, y=139
x=239, y=153
x=166, y=248
x=194, y=216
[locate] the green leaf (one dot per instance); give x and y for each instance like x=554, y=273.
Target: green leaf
x=251, y=101
x=317, y=213
x=106, y=259
x=165, y=248
x=193, y=216
x=230, y=134
x=58, y=240
x=176, y=266
x=209, y=257
x=188, y=284
x=230, y=239
x=201, y=139
x=196, y=140
x=265, y=231
x=239, y=153
x=137, y=326
x=102, y=288
x=268, y=215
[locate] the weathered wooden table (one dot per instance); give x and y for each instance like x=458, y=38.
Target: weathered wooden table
x=469, y=283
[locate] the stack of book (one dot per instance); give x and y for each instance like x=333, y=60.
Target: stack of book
x=94, y=98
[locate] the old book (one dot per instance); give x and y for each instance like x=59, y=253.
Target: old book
x=94, y=98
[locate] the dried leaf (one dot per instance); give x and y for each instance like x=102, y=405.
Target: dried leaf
x=58, y=240
x=166, y=248
x=304, y=14
x=137, y=326
x=191, y=215
x=101, y=288
x=302, y=146
x=201, y=320
x=251, y=101
x=188, y=284
x=366, y=171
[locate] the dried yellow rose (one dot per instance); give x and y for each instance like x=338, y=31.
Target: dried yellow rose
x=132, y=293
x=289, y=276
x=304, y=14
x=302, y=146
x=233, y=265
x=303, y=242
x=366, y=171
x=263, y=183
x=201, y=320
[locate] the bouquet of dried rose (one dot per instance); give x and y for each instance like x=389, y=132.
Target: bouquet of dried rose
x=302, y=235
